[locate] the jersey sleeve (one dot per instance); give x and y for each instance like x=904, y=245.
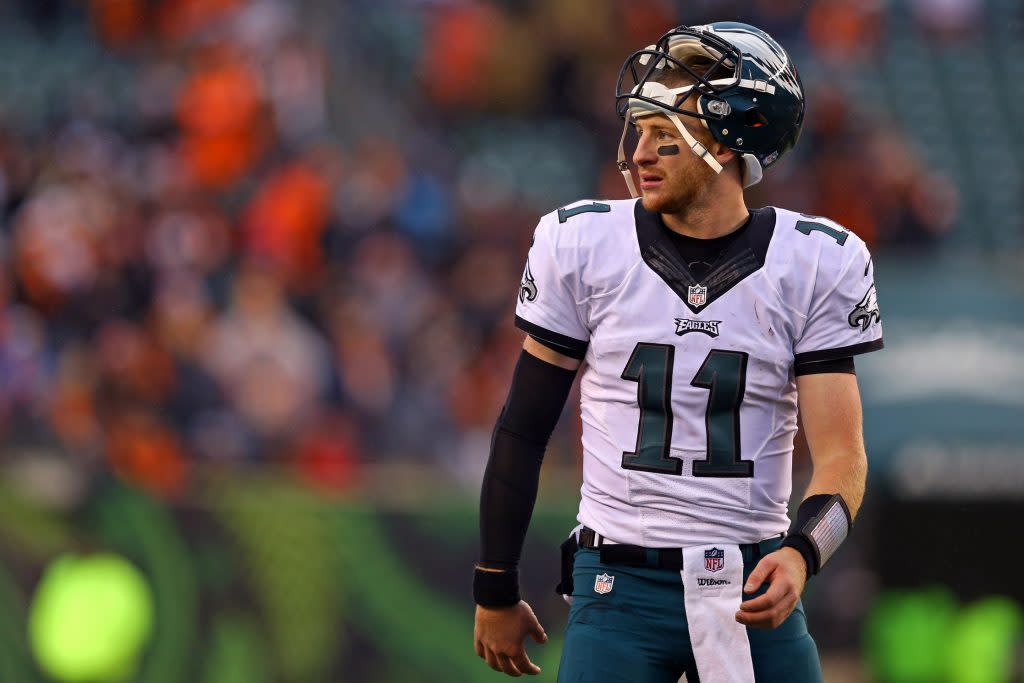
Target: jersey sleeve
x=548, y=308
x=844, y=319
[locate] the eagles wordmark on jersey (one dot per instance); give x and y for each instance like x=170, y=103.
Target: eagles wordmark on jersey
x=688, y=396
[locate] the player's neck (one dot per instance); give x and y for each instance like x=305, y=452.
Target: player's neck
x=709, y=219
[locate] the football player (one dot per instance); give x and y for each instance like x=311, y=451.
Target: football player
x=703, y=326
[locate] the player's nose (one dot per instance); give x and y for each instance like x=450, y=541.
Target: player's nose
x=645, y=154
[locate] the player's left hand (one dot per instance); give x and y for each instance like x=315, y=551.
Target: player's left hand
x=498, y=636
x=786, y=573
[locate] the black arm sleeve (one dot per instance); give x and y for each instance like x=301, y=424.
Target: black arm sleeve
x=535, y=401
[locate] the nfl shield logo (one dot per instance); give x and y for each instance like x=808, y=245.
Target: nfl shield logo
x=697, y=295
x=714, y=559
x=603, y=583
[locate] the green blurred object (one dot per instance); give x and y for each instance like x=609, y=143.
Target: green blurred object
x=905, y=632
x=984, y=640
x=90, y=618
x=283, y=534
x=236, y=653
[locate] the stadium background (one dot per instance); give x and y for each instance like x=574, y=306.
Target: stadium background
x=258, y=261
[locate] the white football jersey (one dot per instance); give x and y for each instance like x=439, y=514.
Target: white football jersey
x=688, y=391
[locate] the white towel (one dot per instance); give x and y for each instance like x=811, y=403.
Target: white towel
x=713, y=589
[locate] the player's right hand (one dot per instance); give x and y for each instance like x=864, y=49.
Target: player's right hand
x=499, y=635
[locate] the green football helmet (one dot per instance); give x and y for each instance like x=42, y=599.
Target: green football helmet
x=747, y=89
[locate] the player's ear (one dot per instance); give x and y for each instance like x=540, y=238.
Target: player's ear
x=723, y=154
x=731, y=161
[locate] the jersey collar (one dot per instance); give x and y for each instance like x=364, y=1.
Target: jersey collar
x=743, y=257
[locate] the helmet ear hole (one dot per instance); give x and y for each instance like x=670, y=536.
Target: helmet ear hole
x=755, y=119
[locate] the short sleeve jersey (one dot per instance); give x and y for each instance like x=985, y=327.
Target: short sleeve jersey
x=688, y=393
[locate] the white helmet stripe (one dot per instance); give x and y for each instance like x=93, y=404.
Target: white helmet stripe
x=669, y=96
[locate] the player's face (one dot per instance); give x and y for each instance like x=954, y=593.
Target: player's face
x=670, y=180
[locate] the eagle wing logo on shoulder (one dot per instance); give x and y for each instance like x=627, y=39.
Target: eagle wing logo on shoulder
x=866, y=311
x=527, y=287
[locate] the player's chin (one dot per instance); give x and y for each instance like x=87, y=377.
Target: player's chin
x=657, y=201
x=654, y=201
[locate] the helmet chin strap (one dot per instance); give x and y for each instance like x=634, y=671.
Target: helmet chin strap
x=696, y=147
x=627, y=175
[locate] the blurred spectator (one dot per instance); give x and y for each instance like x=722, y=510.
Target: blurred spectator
x=458, y=50
x=222, y=118
x=948, y=20
x=285, y=221
x=326, y=457
x=897, y=199
x=23, y=363
x=141, y=448
x=270, y=363
x=844, y=30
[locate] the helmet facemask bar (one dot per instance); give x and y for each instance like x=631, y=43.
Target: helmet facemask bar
x=664, y=62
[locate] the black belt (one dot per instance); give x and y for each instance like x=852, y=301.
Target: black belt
x=663, y=558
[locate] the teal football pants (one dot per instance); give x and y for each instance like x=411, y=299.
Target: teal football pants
x=637, y=632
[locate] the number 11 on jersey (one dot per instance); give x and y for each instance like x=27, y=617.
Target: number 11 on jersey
x=724, y=375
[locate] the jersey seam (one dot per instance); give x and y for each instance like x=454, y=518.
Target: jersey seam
x=811, y=310
x=553, y=253
x=833, y=288
x=588, y=299
x=769, y=279
x=616, y=289
x=778, y=294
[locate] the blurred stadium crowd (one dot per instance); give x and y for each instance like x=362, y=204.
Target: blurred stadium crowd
x=239, y=231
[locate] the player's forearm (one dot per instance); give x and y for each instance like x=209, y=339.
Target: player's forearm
x=509, y=490
x=845, y=474
x=825, y=515
x=507, y=496
x=833, y=425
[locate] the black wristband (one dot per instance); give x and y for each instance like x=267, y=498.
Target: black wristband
x=803, y=546
x=496, y=589
x=822, y=523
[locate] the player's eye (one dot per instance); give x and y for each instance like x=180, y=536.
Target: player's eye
x=664, y=135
